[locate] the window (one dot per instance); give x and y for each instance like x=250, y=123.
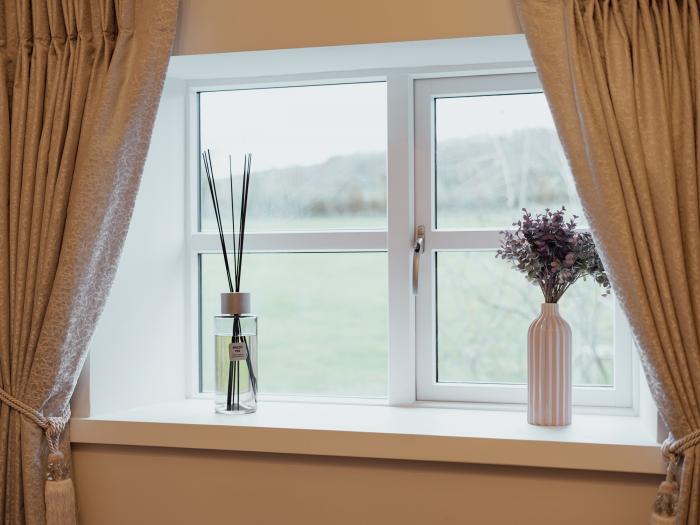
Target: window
x=344, y=171
x=486, y=147
x=317, y=233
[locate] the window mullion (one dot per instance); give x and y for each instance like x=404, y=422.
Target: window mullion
x=402, y=386
x=425, y=300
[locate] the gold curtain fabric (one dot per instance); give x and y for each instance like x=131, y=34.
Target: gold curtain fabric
x=80, y=82
x=623, y=78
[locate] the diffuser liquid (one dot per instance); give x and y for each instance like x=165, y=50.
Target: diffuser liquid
x=235, y=371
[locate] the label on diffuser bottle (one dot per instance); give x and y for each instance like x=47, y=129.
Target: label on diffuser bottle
x=237, y=351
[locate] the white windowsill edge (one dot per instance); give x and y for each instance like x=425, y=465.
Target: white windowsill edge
x=599, y=443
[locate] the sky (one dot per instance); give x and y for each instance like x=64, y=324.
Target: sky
x=460, y=117
x=291, y=126
x=307, y=125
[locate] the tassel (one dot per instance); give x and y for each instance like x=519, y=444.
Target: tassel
x=666, y=501
x=59, y=494
x=60, y=502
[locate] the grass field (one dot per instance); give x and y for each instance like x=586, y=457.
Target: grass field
x=485, y=309
x=323, y=321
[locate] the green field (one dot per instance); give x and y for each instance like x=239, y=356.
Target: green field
x=323, y=321
x=485, y=309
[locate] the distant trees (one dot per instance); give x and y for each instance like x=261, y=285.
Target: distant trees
x=476, y=175
x=524, y=168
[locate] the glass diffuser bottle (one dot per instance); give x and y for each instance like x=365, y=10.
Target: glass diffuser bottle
x=236, y=346
x=235, y=330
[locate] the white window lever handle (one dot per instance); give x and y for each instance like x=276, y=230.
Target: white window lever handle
x=418, y=249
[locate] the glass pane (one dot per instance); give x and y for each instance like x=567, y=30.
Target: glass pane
x=494, y=156
x=484, y=311
x=319, y=155
x=322, y=321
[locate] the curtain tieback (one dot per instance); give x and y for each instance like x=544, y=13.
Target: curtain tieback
x=673, y=449
x=59, y=493
x=666, y=502
x=52, y=426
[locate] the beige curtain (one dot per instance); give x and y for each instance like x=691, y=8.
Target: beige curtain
x=80, y=82
x=623, y=79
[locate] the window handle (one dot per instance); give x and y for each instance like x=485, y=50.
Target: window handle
x=418, y=249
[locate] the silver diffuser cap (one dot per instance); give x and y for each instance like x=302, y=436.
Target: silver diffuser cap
x=235, y=303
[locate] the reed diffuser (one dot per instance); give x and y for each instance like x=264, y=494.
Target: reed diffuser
x=235, y=329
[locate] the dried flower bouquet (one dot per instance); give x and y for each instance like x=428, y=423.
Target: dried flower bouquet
x=552, y=253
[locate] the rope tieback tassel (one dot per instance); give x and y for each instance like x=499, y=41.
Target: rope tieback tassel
x=59, y=494
x=666, y=502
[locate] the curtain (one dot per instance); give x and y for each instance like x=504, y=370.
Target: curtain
x=622, y=78
x=80, y=82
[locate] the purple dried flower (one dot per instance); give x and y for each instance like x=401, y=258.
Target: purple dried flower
x=551, y=253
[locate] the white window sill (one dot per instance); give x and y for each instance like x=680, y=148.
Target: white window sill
x=592, y=442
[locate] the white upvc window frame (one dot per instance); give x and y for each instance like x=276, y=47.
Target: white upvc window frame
x=411, y=342
x=426, y=92
x=201, y=243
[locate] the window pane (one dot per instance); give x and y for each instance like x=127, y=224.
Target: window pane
x=322, y=321
x=319, y=155
x=484, y=311
x=495, y=155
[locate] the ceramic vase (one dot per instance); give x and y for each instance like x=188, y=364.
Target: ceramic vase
x=549, y=369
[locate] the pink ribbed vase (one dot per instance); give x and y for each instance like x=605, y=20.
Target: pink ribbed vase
x=549, y=369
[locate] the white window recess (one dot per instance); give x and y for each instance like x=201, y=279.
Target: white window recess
x=144, y=352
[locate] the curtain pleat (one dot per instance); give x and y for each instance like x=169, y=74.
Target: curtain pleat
x=622, y=78
x=80, y=82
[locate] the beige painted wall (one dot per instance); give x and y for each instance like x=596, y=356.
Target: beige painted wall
x=120, y=485
x=215, y=26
